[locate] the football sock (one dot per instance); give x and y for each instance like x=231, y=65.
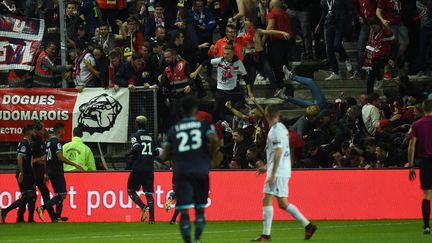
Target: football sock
x=134, y=196
x=185, y=227
x=20, y=213
x=199, y=222
x=174, y=217
x=18, y=203
x=293, y=210
x=150, y=204
x=268, y=218
x=53, y=201
x=59, y=208
x=31, y=208
x=46, y=197
x=426, y=212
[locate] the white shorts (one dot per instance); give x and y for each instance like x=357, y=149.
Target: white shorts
x=279, y=188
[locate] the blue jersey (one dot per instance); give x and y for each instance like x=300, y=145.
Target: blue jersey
x=25, y=151
x=53, y=165
x=142, y=149
x=190, y=146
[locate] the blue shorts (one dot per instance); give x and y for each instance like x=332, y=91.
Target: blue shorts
x=191, y=190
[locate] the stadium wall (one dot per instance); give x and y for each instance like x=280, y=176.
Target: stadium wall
x=236, y=195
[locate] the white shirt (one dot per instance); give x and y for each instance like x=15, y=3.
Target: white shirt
x=228, y=74
x=371, y=118
x=278, y=138
x=84, y=73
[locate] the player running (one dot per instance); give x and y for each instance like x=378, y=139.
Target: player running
x=142, y=175
x=24, y=174
x=190, y=144
x=278, y=173
x=54, y=167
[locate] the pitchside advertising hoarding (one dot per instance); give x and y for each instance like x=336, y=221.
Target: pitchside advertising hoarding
x=101, y=113
x=236, y=195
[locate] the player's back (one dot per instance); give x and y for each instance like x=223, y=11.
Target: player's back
x=25, y=151
x=54, y=165
x=278, y=138
x=143, y=144
x=190, y=146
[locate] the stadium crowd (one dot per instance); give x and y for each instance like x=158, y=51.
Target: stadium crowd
x=172, y=45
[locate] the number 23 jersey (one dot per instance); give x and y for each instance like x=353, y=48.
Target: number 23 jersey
x=190, y=146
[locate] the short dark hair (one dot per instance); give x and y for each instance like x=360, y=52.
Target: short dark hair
x=27, y=129
x=189, y=104
x=272, y=110
x=427, y=106
x=372, y=97
x=58, y=127
x=231, y=26
x=136, y=56
x=77, y=132
x=240, y=131
x=175, y=34
x=50, y=43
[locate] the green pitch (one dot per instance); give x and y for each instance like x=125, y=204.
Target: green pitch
x=328, y=231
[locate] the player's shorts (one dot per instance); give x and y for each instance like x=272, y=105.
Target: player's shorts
x=279, y=188
x=27, y=185
x=39, y=172
x=58, y=183
x=141, y=179
x=191, y=190
x=426, y=173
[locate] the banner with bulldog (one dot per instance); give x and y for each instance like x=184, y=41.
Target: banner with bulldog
x=102, y=114
x=19, y=42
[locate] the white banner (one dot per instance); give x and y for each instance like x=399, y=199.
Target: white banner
x=103, y=115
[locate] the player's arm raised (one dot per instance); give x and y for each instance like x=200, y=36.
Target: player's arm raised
x=68, y=162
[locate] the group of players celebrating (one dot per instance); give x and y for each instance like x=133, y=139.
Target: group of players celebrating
x=190, y=145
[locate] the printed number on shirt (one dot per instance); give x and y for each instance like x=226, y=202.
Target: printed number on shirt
x=286, y=154
x=147, y=148
x=48, y=154
x=189, y=140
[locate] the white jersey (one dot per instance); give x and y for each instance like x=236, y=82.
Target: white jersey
x=228, y=73
x=278, y=138
x=84, y=73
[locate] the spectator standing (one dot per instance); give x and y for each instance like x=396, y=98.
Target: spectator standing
x=279, y=20
x=72, y=19
x=389, y=13
x=299, y=9
x=105, y=39
x=79, y=153
x=203, y=21
x=133, y=37
x=367, y=11
x=425, y=9
x=333, y=18
x=155, y=20
x=378, y=54
x=92, y=15
x=117, y=70
x=111, y=11
x=81, y=74
x=100, y=70
x=177, y=80
x=47, y=74
x=371, y=114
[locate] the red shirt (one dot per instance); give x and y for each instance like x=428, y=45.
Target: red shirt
x=391, y=10
x=239, y=43
x=367, y=8
x=282, y=21
x=421, y=129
